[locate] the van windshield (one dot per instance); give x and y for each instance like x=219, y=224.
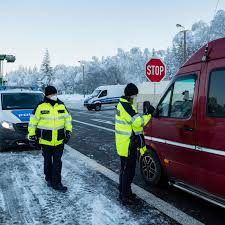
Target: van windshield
x=21, y=100
x=95, y=93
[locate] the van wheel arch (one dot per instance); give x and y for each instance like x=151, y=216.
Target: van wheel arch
x=151, y=168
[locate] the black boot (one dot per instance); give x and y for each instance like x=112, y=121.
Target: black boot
x=60, y=187
x=132, y=196
x=49, y=183
x=126, y=201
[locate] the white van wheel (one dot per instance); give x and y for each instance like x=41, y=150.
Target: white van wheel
x=98, y=107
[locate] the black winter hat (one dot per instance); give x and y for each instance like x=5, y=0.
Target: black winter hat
x=50, y=90
x=131, y=89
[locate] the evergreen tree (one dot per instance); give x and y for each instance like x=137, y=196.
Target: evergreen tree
x=46, y=70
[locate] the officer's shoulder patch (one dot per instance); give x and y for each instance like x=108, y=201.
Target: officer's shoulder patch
x=45, y=111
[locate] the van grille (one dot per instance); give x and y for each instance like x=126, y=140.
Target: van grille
x=21, y=128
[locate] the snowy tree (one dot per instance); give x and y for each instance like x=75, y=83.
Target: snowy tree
x=46, y=70
x=217, y=29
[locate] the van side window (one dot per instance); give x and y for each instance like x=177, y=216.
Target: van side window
x=103, y=94
x=178, y=101
x=182, y=99
x=216, y=94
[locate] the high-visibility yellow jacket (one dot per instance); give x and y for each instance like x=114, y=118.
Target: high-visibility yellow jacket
x=49, y=122
x=128, y=124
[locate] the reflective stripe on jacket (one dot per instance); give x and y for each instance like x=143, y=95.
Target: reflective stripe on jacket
x=49, y=122
x=127, y=123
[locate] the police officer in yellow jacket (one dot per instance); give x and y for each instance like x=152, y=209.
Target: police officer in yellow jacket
x=51, y=126
x=129, y=138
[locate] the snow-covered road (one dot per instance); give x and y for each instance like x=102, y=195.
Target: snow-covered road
x=91, y=197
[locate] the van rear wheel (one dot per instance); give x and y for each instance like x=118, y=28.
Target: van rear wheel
x=98, y=107
x=151, y=169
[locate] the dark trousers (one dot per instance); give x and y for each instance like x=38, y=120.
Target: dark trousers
x=127, y=173
x=52, y=163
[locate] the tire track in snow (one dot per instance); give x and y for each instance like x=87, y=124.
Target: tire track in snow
x=4, y=216
x=12, y=201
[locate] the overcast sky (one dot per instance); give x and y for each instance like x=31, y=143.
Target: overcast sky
x=73, y=30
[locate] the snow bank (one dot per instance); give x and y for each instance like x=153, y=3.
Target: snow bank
x=74, y=101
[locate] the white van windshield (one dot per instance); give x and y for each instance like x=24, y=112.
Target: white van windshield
x=95, y=93
x=21, y=100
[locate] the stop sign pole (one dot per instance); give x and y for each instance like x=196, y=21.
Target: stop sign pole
x=155, y=71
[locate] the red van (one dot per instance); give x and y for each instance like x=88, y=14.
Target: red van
x=186, y=136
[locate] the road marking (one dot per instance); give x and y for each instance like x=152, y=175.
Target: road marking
x=103, y=121
x=95, y=114
x=151, y=199
x=92, y=125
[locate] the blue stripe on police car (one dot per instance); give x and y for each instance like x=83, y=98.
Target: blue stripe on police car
x=108, y=100
x=23, y=115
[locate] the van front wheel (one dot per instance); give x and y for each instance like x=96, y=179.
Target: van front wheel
x=151, y=169
x=98, y=107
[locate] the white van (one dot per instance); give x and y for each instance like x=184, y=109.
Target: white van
x=104, y=96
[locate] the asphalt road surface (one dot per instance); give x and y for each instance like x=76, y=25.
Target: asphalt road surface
x=94, y=136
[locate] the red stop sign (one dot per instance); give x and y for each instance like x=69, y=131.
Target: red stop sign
x=155, y=70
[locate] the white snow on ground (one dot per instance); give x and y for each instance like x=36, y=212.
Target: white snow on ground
x=74, y=101
x=91, y=198
x=2, y=205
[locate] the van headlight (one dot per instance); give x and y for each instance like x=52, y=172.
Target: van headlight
x=7, y=125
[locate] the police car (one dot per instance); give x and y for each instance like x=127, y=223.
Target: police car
x=16, y=105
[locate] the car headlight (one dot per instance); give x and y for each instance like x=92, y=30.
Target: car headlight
x=7, y=125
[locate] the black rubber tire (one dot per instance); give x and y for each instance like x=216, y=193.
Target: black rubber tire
x=2, y=148
x=98, y=107
x=151, y=169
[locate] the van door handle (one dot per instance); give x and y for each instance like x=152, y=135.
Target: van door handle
x=186, y=128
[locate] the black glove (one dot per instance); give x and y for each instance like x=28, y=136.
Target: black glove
x=33, y=141
x=67, y=137
x=148, y=108
x=151, y=109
